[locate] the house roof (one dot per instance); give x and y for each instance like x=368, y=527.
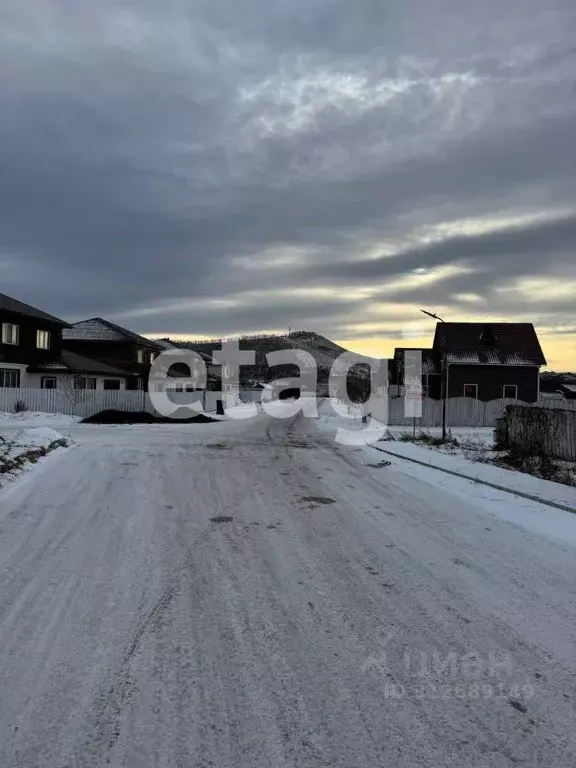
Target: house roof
x=98, y=329
x=70, y=362
x=8, y=304
x=489, y=343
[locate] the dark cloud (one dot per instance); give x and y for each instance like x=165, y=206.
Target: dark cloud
x=159, y=158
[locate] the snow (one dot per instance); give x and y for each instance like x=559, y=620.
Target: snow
x=15, y=443
x=36, y=437
x=456, y=462
x=37, y=418
x=136, y=631
x=530, y=515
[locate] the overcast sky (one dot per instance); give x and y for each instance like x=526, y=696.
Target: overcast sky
x=225, y=166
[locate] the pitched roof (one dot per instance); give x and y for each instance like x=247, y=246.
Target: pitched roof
x=70, y=362
x=98, y=329
x=489, y=343
x=8, y=304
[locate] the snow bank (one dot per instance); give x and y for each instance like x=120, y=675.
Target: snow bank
x=37, y=418
x=513, y=481
x=21, y=450
x=36, y=437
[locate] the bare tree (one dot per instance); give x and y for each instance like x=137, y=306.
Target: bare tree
x=74, y=394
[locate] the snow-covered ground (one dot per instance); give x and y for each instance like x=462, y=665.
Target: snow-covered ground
x=22, y=449
x=36, y=419
x=33, y=437
x=248, y=594
x=529, y=514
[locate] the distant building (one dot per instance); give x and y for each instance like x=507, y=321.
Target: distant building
x=106, y=343
x=486, y=361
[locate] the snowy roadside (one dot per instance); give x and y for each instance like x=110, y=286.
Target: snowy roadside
x=531, y=515
x=488, y=473
x=469, y=438
x=36, y=419
x=20, y=450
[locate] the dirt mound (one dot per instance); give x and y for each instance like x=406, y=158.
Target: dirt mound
x=141, y=417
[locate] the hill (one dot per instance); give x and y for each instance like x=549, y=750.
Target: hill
x=322, y=350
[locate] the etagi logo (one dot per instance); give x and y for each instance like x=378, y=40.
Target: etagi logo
x=184, y=371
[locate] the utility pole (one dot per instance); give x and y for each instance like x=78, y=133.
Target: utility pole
x=444, y=364
x=444, y=387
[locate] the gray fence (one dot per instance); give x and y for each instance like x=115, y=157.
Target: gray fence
x=83, y=403
x=550, y=430
x=460, y=411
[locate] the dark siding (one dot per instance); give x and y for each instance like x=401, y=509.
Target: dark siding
x=26, y=351
x=491, y=379
x=434, y=384
x=118, y=353
x=114, y=351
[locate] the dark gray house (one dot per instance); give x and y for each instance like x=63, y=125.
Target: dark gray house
x=28, y=336
x=430, y=372
x=488, y=360
x=103, y=341
x=32, y=354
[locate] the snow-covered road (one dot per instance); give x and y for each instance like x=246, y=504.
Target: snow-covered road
x=337, y=614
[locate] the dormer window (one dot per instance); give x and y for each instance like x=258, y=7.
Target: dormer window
x=488, y=337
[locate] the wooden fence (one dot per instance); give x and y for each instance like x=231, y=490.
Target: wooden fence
x=549, y=430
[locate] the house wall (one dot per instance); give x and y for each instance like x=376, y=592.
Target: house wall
x=21, y=368
x=118, y=353
x=26, y=350
x=492, y=378
x=66, y=380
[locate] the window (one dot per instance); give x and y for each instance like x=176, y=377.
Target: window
x=510, y=390
x=140, y=355
x=48, y=382
x=84, y=382
x=10, y=333
x=9, y=377
x=471, y=390
x=43, y=339
x=111, y=383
